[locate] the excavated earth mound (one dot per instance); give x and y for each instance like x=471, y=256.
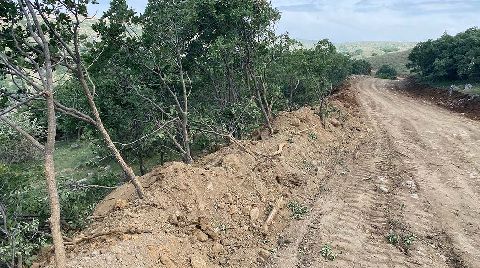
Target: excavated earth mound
x=226, y=210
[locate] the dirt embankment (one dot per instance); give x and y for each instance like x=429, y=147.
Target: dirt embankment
x=228, y=208
x=458, y=101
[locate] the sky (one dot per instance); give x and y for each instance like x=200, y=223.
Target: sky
x=366, y=20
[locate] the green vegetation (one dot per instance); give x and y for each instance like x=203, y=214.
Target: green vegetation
x=449, y=58
x=403, y=241
x=171, y=84
x=298, y=210
x=327, y=253
x=386, y=72
x=361, y=67
x=83, y=179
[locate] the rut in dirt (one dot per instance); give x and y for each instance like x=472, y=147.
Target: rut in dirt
x=405, y=197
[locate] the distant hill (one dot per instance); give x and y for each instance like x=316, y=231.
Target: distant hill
x=398, y=60
x=364, y=50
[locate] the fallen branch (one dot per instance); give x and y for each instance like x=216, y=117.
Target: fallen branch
x=278, y=205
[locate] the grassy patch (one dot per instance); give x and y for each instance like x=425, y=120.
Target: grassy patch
x=364, y=50
x=403, y=241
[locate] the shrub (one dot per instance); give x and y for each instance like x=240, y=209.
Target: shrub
x=386, y=72
x=361, y=67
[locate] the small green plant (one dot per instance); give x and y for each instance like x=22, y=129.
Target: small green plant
x=312, y=136
x=408, y=240
x=327, y=252
x=403, y=241
x=298, y=210
x=392, y=238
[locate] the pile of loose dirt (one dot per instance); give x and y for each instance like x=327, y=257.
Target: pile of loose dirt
x=458, y=101
x=228, y=208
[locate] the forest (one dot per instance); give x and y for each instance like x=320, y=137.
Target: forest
x=176, y=82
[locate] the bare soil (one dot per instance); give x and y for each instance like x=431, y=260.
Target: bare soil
x=392, y=181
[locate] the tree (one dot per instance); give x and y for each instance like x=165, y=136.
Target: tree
x=361, y=67
x=449, y=57
x=61, y=21
x=115, y=66
x=386, y=72
x=168, y=33
x=26, y=45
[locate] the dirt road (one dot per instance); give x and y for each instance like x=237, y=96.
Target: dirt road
x=407, y=196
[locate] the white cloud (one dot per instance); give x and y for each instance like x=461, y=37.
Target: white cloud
x=375, y=20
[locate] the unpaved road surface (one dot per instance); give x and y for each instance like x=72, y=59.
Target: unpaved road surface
x=407, y=195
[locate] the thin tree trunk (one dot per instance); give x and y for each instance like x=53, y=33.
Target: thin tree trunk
x=106, y=137
x=141, y=164
x=60, y=257
x=184, y=117
x=47, y=81
x=261, y=102
x=187, y=157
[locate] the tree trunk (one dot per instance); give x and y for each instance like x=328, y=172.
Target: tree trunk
x=60, y=258
x=187, y=158
x=141, y=164
x=106, y=137
x=162, y=157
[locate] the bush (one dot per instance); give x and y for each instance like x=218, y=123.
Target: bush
x=24, y=209
x=386, y=72
x=13, y=147
x=361, y=67
x=23, y=213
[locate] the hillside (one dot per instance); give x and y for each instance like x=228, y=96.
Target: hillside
x=398, y=60
x=363, y=50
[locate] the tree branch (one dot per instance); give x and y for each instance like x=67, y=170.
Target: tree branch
x=23, y=132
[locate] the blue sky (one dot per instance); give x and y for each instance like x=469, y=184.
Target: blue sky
x=367, y=20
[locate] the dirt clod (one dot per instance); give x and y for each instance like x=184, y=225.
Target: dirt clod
x=201, y=236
